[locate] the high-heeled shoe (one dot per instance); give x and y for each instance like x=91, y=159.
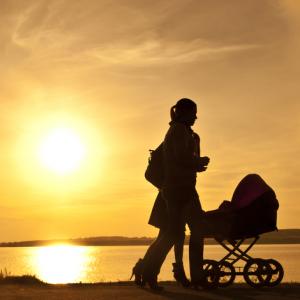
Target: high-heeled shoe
x=137, y=272
x=179, y=275
x=152, y=282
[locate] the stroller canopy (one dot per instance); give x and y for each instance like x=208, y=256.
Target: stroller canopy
x=250, y=188
x=252, y=211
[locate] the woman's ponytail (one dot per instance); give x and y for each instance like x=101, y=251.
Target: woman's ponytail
x=173, y=113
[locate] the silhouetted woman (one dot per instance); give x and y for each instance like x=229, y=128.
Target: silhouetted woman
x=181, y=163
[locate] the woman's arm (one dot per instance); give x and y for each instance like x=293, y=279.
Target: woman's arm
x=183, y=153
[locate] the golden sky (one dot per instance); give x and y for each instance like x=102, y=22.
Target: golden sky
x=109, y=71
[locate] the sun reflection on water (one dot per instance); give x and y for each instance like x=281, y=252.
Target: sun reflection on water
x=61, y=263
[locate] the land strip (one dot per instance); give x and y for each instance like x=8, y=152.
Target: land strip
x=283, y=236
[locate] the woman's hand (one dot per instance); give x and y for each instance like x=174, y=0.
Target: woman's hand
x=201, y=169
x=203, y=162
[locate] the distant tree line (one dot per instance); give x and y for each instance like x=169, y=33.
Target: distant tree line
x=283, y=236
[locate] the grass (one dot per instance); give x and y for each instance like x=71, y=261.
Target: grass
x=7, y=278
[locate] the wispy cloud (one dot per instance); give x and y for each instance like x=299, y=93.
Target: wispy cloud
x=154, y=52
x=88, y=35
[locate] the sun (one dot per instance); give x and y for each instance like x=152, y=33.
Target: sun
x=61, y=151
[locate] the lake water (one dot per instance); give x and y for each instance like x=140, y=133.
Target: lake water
x=66, y=263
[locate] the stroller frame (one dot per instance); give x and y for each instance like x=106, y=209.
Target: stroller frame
x=257, y=272
x=236, y=251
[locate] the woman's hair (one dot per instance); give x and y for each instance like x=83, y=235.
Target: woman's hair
x=181, y=107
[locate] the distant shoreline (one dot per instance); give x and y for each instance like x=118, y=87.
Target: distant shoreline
x=283, y=236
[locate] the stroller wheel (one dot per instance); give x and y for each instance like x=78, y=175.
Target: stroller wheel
x=256, y=272
x=211, y=268
x=227, y=274
x=277, y=272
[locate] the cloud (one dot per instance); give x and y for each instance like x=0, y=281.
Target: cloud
x=153, y=52
x=135, y=33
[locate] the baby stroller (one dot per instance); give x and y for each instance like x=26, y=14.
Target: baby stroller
x=251, y=212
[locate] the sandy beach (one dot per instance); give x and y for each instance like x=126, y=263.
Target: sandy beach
x=124, y=291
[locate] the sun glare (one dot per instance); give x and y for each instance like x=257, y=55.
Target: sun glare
x=61, y=154
x=61, y=151
x=61, y=263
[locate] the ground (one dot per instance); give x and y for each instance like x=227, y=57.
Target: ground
x=125, y=291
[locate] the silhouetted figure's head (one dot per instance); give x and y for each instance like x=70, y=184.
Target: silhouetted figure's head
x=184, y=111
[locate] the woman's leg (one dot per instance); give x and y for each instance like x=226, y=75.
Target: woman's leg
x=196, y=244
x=154, y=258
x=151, y=248
x=142, y=263
x=178, y=268
x=156, y=255
x=178, y=249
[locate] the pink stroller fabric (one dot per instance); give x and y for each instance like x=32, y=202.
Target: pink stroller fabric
x=252, y=211
x=250, y=188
